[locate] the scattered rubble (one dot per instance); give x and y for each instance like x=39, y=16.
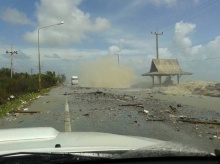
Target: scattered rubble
x=25, y=109
x=30, y=112
x=146, y=111
x=194, y=121
x=173, y=109
x=135, y=105
x=155, y=119
x=39, y=97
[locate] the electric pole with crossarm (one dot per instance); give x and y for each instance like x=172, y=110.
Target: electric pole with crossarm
x=11, y=52
x=156, y=33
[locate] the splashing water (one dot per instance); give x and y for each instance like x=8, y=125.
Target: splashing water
x=107, y=74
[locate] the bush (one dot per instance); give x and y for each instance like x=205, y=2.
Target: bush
x=22, y=83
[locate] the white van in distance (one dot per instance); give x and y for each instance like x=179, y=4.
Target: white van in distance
x=74, y=80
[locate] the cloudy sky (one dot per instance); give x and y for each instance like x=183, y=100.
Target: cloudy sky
x=96, y=29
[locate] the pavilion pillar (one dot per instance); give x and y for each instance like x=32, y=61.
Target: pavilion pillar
x=178, y=79
x=153, y=80
x=160, y=80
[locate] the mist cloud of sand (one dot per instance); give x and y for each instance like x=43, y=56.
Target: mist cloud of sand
x=106, y=73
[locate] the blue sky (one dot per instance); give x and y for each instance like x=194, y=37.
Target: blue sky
x=96, y=29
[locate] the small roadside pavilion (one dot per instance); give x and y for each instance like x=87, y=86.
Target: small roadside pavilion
x=165, y=67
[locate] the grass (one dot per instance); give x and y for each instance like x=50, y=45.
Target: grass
x=15, y=104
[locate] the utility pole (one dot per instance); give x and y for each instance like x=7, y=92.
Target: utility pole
x=118, y=57
x=39, y=76
x=12, y=52
x=31, y=71
x=156, y=33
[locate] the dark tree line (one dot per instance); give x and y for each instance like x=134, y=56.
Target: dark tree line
x=24, y=83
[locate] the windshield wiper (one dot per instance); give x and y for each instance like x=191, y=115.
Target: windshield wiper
x=36, y=157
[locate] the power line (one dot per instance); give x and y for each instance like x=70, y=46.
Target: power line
x=201, y=59
x=192, y=45
x=189, y=14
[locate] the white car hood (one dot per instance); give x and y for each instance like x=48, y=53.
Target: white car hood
x=46, y=139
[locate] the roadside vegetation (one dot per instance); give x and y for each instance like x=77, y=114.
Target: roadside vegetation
x=23, y=87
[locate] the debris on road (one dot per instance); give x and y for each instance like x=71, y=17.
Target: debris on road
x=68, y=93
x=38, y=97
x=172, y=108
x=23, y=102
x=167, y=111
x=97, y=92
x=86, y=114
x=25, y=109
x=136, y=105
x=146, y=111
x=120, y=100
x=30, y=112
x=47, y=102
x=200, y=121
x=183, y=117
x=155, y=119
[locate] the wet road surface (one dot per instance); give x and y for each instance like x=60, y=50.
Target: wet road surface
x=119, y=111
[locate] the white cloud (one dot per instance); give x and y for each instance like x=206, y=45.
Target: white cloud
x=140, y=3
x=114, y=49
x=211, y=49
x=168, y=3
x=197, y=55
x=77, y=23
x=181, y=38
x=14, y=16
x=164, y=53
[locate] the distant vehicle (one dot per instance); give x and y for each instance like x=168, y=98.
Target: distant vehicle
x=74, y=80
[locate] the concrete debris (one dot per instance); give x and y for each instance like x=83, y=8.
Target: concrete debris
x=167, y=111
x=12, y=97
x=25, y=109
x=172, y=108
x=146, y=111
x=172, y=116
x=183, y=117
x=121, y=100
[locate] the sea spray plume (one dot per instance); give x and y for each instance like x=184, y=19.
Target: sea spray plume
x=106, y=73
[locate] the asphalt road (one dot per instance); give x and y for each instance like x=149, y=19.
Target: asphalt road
x=70, y=108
